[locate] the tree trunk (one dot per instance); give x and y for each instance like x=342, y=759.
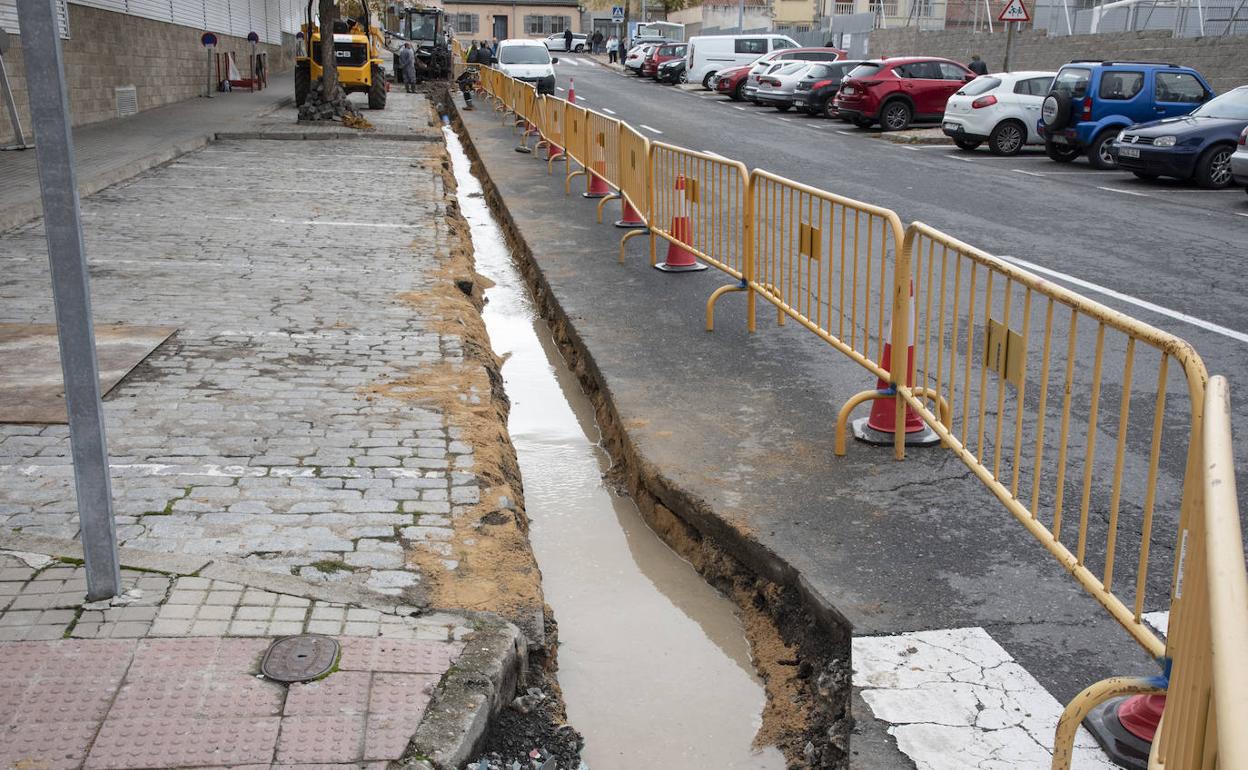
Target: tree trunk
x=329, y=14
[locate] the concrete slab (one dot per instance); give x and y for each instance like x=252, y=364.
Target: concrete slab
x=31, y=386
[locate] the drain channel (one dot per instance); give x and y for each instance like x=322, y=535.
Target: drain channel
x=653, y=662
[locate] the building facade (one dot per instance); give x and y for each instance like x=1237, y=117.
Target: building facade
x=492, y=20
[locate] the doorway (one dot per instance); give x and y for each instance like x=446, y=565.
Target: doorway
x=500, y=27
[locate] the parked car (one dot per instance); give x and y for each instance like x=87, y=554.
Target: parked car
x=897, y=92
x=731, y=81
x=580, y=42
x=660, y=54
x=709, y=54
x=637, y=55
x=1198, y=146
x=1239, y=161
x=672, y=72
x=1001, y=109
x=529, y=61
x=777, y=88
x=763, y=63
x=1091, y=101
x=817, y=89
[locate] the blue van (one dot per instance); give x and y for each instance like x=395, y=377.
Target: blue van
x=1090, y=101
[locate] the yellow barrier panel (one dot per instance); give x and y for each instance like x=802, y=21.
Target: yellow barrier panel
x=634, y=179
x=1000, y=346
x=715, y=202
x=828, y=262
x=553, y=110
x=576, y=148
x=604, y=155
x=527, y=116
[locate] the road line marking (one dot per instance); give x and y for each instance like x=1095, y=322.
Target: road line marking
x=956, y=694
x=651, y=129
x=736, y=107
x=849, y=133
x=911, y=149
x=959, y=157
x=1158, y=309
x=586, y=61
x=608, y=110
x=1124, y=192
x=1240, y=214
x=1233, y=189
x=787, y=120
x=1028, y=173
x=567, y=60
x=558, y=88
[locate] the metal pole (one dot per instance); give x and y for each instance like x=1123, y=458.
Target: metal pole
x=209, y=86
x=741, y=16
x=49, y=107
x=1009, y=42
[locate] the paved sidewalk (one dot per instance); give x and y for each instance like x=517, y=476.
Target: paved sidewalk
x=117, y=149
x=312, y=451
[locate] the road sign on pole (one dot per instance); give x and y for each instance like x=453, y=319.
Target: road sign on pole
x=71, y=293
x=1014, y=10
x=617, y=14
x=209, y=42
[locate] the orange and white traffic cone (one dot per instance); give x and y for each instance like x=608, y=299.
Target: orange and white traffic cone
x=679, y=259
x=553, y=151
x=597, y=175
x=630, y=219
x=1125, y=727
x=880, y=427
x=571, y=90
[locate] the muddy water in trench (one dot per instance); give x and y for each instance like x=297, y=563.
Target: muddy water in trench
x=653, y=662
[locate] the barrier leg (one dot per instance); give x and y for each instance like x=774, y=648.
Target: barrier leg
x=842, y=417
x=603, y=202
x=1083, y=704
x=567, y=183
x=751, y=302
x=654, y=254
x=710, y=303
x=628, y=235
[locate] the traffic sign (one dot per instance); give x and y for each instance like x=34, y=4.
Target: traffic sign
x=1015, y=10
x=208, y=39
x=617, y=14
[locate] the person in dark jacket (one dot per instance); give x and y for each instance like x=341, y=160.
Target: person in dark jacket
x=977, y=65
x=567, y=40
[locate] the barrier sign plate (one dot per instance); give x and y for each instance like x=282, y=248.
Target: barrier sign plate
x=1015, y=10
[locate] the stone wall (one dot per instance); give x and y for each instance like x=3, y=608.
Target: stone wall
x=164, y=61
x=1220, y=59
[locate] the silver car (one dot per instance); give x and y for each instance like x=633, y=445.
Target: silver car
x=777, y=87
x=1239, y=161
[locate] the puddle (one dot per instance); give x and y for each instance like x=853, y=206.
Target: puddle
x=653, y=662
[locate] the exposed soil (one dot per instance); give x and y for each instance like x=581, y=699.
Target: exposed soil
x=799, y=649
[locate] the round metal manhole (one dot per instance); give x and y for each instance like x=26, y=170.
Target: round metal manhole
x=299, y=658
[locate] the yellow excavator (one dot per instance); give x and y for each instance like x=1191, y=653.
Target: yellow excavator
x=358, y=48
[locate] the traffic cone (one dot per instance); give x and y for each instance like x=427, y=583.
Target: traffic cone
x=553, y=151
x=571, y=90
x=631, y=218
x=880, y=427
x=598, y=187
x=679, y=259
x=1124, y=727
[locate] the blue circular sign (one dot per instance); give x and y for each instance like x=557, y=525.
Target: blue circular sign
x=298, y=36
x=208, y=40
x=253, y=37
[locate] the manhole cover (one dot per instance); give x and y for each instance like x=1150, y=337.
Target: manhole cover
x=299, y=658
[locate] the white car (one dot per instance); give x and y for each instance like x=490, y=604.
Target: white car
x=580, y=42
x=636, y=55
x=529, y=61
x=749, y=86
x=1001, y=109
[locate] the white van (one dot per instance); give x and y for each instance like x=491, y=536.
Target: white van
x=527, y=60
x=709, y=54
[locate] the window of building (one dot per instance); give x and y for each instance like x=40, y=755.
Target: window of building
x=547, y=25
x=884, y=7
x=465, y=23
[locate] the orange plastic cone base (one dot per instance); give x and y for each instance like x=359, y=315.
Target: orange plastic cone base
x=678, y=257
x=597, y=185
x=553, y=151
x=1141, y=714
x=884, y=410
x=630, y=218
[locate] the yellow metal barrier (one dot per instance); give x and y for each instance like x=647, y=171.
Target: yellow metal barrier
x=553, y=111
x=1000, y=345
x=828, y=262
x=527, y=117
x=634, y=179
x=576, y=148
x=715, y=203
x=604, y=155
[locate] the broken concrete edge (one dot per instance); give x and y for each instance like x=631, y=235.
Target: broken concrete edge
x=336, y=135
x=818, y=624
x=481, y=683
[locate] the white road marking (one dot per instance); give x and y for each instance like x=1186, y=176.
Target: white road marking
x=568, y=61
x=1028, y=173
x=736, y=107
x=651, y=129
x=1240, y=214
x=1158, y=309
x=816, y=125
x=1124, y=192
x=955, y=699
x=849, y=133
x=558, y=88
x=787, y=120
x=911, y=149
x=586, y=61
x=608, y=110
x=1049, y=173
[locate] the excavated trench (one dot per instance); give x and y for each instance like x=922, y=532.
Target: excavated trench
x=657, y=667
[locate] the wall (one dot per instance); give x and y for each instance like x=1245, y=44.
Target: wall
x=1220, y=59
x=515, y=18
x=106, y=49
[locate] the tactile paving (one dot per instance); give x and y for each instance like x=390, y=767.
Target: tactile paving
x=46, y=745
x=124, y=744
x=403, y=656
x=342, y=692
x=321, y=739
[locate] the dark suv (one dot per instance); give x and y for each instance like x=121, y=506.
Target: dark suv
x=1091, y=101
x=898, y=91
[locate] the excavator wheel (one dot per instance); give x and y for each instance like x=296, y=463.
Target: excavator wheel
x=377, y=90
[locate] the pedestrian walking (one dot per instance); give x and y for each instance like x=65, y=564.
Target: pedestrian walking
x=613, y=49
x=407, y=65
x=977, y=65
x=567, y=40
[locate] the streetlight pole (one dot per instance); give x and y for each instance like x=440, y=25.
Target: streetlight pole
x=71, y=294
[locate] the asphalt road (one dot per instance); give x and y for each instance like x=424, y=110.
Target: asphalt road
x=1165, y=252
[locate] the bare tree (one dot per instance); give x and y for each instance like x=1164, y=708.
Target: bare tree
x=328, y=10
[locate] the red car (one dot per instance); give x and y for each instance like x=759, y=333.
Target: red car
x=732, y=81
x=660, y=54
x=740, y=82
x=897, y=92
